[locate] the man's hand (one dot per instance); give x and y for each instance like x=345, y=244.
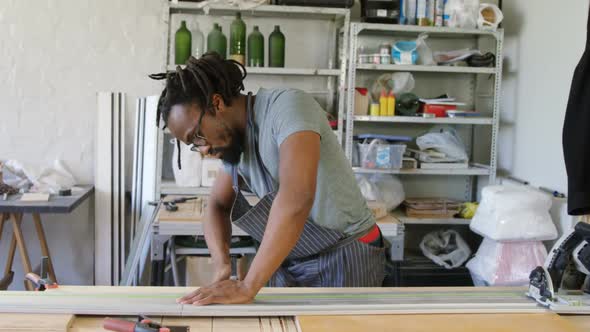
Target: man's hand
x=223, y=292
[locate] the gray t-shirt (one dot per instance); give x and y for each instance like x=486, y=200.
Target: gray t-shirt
x=338, y=203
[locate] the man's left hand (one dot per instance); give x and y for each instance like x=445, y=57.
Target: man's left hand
x=223, y=292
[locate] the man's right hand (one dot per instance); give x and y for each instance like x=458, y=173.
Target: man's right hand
x=222, y=272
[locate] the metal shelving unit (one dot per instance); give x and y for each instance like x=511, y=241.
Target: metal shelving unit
x=284, y=71
x=471, y=170
x=329, y=74
x=401, y=216
x=416, y=119
x=479, y=88
x=428, y=69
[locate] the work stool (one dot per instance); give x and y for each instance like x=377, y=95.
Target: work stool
x=196, y=246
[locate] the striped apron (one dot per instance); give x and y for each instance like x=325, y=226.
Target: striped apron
x=321, y=257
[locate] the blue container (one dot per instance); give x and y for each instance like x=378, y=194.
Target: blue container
x=404, y=53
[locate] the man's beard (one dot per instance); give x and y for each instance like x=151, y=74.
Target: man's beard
x=232, y=153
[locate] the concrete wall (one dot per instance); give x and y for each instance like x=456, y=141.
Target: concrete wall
x=56, y=54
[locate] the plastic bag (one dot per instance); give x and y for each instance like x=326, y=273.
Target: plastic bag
x=505, y=263
x=510, y=213
x=444, y=140
x=462, y=13
x=425, y=56
x=42, y=180
x=384, y=188
x=190, y=174
x=450, y=57
x=14, y=175
x=398, y=82
x=446, y=248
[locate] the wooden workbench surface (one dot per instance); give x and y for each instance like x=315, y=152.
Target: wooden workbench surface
x=547, y=322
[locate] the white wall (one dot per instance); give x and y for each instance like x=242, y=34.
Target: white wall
x=56, y=54
x=543, y=43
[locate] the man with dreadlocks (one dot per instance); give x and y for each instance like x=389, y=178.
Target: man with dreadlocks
x=312, y=223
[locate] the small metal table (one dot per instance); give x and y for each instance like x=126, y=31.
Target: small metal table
x=13, y=209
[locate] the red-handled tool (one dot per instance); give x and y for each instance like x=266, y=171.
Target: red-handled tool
x=143, y=324
x=41, y=282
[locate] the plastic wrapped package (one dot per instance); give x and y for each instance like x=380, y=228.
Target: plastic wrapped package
x=444, y=140
x=36, y=179
x=446, y=248
x=510, y=213
x=505, y=263
x=384, y=188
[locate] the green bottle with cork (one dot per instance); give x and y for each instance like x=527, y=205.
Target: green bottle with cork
x=182, y=44
x=216, y=41
x=237, y=39
x=276, y=48
x=256, y=48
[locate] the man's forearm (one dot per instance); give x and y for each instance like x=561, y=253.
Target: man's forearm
x=217, y=229
x=284, y=227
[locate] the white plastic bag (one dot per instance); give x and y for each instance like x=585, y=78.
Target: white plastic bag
x=384, y=188
x=505, y=263
x=398, y=82
x=462, y=13
x=444, y=140
x=446, y=248
x=190, y=174
x=511, y=213
x=14, y=175
x=425, y=56
x=42, y=180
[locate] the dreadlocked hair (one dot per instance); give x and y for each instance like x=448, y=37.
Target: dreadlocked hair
x=198, y=82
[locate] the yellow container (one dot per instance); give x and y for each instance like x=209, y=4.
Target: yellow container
x=383, y=104
x=374, y=109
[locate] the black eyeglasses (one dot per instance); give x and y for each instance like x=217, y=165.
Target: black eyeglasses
x=198, y=140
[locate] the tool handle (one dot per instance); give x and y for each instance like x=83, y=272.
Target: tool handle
x=118, y=325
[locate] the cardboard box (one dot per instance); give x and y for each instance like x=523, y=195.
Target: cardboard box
x=361, y=101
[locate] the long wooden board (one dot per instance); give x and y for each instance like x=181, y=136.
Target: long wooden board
x=271, y=302
x=35, y=323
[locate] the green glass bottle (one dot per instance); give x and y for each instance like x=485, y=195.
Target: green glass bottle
x=182, y=44
x=276, y=48
x=256, y=48
x=237, y=39
x=216, y=41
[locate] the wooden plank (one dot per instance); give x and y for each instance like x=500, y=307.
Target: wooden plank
x=35, y=323
x=190, y=211
x=22, y=248
x=272, y=302
x=582, y=322
x=226, y=324
x=547, y=322
x=195, y=323
x=44, y=246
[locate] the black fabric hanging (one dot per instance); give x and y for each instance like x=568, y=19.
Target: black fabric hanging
x=576, y=136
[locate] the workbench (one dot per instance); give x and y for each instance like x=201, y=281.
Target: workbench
x=81, y=309
x=188, y=221
x=13, y=209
